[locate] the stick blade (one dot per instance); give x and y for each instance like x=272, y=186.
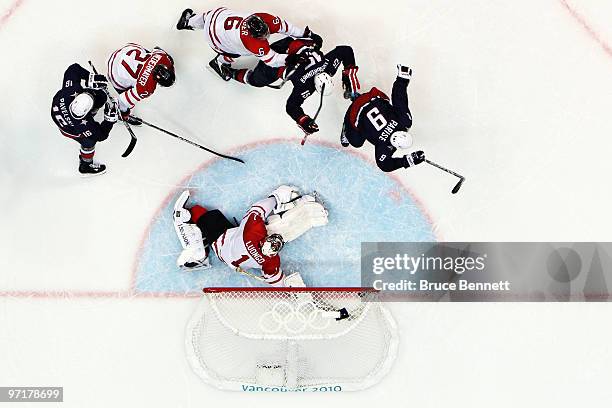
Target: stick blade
x=458, y=186
x=130, y=147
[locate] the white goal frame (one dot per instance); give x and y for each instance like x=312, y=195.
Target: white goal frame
x=315, y=347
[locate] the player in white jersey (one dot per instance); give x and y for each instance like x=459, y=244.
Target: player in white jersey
x=135, y=73
x=249, y=245
x=233, y=34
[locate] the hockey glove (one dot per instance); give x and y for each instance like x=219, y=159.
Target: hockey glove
x=96, y=81
x=404, y=72
x=350, y=82
x=111, y=113
x=308, y=125
x=414, y=158
x=183, y=23
x=318, y=40
x=294, y=59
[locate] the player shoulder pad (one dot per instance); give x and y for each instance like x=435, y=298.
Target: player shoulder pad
x=146, y=84
x=254, y=227
x=355, y=107
x=258, y=46
x=274, y=23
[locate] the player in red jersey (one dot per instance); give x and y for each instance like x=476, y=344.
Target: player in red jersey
x=255, y=242
x=135, y=73
x=233, y=34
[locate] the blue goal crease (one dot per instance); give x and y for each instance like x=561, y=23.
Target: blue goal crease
x=364, y=204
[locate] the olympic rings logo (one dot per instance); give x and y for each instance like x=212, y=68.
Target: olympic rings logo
x=294, y=319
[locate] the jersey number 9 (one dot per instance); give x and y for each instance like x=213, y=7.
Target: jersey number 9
x=376, y=118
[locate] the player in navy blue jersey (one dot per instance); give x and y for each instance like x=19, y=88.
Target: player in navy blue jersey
x=316, y=72
x=383, y=122
x=73, y=110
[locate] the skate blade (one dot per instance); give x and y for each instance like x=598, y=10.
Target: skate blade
x=90, y=175
x=211, y=69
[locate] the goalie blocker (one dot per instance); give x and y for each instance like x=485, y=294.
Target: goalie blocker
x=253, y=244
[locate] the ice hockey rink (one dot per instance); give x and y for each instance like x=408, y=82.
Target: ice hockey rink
x=514, y=95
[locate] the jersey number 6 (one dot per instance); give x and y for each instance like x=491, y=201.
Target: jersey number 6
x=376, y=118
x=232, y=22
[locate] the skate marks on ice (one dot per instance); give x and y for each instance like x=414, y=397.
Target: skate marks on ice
x=364, y=204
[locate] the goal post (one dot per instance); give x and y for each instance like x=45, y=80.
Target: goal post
x=291, y=339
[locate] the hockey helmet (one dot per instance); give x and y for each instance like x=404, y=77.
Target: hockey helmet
x=164, y=75
x=272, y=245
x=257, y=27
x=401, y=139
x=81, y=105
x=324, y=83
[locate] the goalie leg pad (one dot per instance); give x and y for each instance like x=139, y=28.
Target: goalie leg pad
x=195, y=254
x=181, y=214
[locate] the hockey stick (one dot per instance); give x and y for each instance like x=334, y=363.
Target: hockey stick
x=133, y=139
x=461, y=178
x=315, y=116
x=189, y=141
x=285, y=79
x=249, y=274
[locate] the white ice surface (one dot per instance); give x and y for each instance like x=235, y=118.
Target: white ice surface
x=514, y=95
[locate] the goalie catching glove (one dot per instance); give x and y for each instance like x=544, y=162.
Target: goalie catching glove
x=285, y=198
x=305, y=213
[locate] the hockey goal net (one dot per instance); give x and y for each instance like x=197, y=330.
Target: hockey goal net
x=275, y=339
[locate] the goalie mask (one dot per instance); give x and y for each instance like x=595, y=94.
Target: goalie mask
x=401, y=139
x=81, y=105
x=272, y=245
x=324, y=83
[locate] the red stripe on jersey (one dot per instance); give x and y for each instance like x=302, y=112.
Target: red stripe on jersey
x=127, y=98
x=263, y=211
x=216, y=249
x=361, y=101
x=280, y=277
x=354, y=80
x=269, y=59
x=135, y=95
x=111, y=62
x=213, y=24
x=69, y=135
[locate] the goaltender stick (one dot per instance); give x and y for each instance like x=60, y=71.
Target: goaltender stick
x=255, y=243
